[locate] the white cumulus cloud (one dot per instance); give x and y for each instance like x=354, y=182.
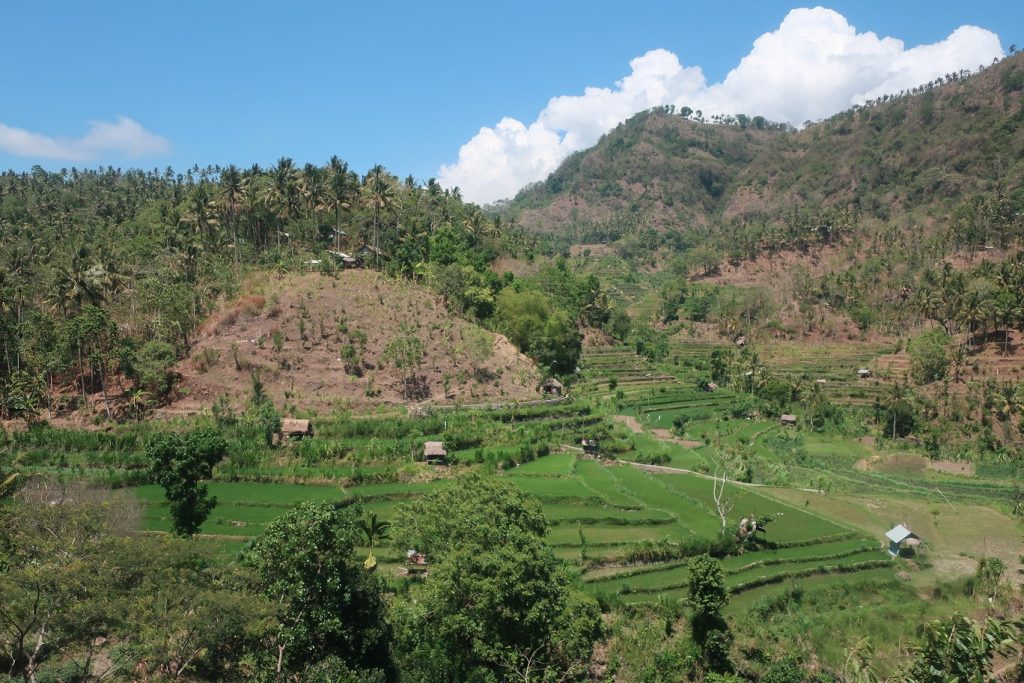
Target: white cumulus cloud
x=121, y=137
x=814, y=65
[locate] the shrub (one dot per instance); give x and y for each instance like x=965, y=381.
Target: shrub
x=205, y=359
x=929, y=356
x=152, y=366
x=652, y=458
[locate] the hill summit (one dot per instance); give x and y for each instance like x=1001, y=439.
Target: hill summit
x=359, y=339
x=913, y=153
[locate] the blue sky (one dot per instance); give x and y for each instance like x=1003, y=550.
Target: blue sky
x=403, y=84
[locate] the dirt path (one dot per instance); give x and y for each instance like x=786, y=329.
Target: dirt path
x=681, y=470
x=667, y=435
x=630, y=422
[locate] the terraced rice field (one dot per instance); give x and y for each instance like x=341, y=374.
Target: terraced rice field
x=596, y=511
x=836, y=364
x=654, y=394
x=746, y=572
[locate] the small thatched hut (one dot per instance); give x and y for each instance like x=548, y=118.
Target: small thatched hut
x=552, y=387
x=296, y=429
x=434, y=453
x=788, y=420
x=369, y=251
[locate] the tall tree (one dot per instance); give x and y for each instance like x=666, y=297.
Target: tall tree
x=231, y=197
x=381, y=197
x=331, y=606
x=179, y=463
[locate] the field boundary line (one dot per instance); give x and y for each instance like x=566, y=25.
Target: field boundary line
x=680, y=470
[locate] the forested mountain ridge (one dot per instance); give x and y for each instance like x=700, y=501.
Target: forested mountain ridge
x=913, y=156
x=657, y=169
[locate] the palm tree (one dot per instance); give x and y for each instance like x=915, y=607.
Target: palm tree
x=974, y=312
x=477, y=224
x=312, y=188
x=381, y=198
x=80, y=284
x=231, y=196
x=138, y=401
x=283, y=194
x=253, y=202
x=340, y=195
x=375, y=531
x=893, y=400
x=201, y=213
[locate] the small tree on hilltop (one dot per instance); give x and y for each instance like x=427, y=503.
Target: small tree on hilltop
x=405, y=352
x=178, y=463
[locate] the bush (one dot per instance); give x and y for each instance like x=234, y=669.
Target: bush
x=151, y=367
x=652, y=458
x=929, y=356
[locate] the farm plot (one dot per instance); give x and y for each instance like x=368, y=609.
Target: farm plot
x=835, y=364
x=243, y=509
x=745, y=572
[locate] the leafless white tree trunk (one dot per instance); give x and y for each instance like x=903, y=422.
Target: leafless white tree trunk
x=718, y=482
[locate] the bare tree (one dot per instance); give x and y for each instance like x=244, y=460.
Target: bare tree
x=724, y=507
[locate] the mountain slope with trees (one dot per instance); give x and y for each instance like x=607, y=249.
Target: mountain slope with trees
x=913, y=158
x=106, y=277
x=356, y=338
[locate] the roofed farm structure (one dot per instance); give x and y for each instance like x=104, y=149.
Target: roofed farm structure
x=434, y=453
x=296, y=429
x=900, y=537
x=552, y=387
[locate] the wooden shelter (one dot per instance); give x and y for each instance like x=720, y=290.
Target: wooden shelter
x=367, y=250
x=788, y=420
x=415, y=563
x=552, y=387
x=296, y=429
x=863, y=373
x=901, y=537
x=434, y=453
x=346, y=260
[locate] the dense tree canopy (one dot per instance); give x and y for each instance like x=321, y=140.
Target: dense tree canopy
x=498, y=605
x=331, y=606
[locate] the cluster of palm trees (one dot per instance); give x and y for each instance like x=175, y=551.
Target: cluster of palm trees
x=259, y=205
x=991, y=297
